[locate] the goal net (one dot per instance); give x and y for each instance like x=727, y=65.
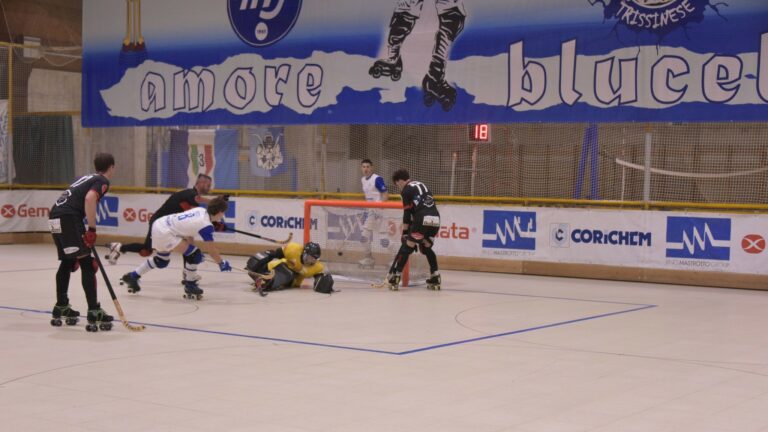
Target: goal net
x=359, y=239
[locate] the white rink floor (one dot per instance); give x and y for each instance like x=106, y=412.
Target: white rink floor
x=490, y=352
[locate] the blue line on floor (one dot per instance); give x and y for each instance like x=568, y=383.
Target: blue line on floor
x=401, y=353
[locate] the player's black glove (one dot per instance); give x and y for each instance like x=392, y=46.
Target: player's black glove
x=226, y=197
x=219, y=226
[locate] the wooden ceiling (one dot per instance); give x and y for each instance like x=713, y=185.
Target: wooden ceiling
x=58, y=23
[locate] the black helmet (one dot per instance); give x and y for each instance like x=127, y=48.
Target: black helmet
x=312, y=249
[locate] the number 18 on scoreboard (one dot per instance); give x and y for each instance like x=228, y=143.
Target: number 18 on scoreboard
x=479, y=132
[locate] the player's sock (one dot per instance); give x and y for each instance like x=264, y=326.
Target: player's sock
x=145, y=267
x=431, y=259
x=88, y=269
x=62, y=280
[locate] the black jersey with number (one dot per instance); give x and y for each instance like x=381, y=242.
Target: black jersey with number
x=72, y=200
x=417, y=202
x=178, y=202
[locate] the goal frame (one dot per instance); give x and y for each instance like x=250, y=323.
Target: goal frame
x=308, y=204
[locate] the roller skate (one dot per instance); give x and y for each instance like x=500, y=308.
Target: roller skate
x=367, y=262
x=192, y=291
x=98, y=319
x=392, y=68
x=260, y=281
x=132, y=280
x=433, y=283
x=70, y=316
x=114, y=253
x=438, y=90
x=393, y=281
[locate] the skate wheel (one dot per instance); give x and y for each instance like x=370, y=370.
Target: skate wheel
x=396, y=76
x=91, y=328
x=374, y=71
x=447, y=105
x=71, y=321
x=56, y=322
x=429, y=99
x=105, y=326
x=394, y=288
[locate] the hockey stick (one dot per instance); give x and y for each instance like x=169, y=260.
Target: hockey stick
x=282, y=242
x=120, y=313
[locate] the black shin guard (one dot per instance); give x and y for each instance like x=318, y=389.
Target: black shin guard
x=66, y=267
x=88, y=268
x=431, y=258
x=402, y=258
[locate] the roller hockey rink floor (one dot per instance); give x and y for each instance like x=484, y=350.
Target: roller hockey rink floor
x=489, y=352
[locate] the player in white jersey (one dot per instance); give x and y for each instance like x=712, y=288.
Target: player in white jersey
x=375, y=189
x=177, y=232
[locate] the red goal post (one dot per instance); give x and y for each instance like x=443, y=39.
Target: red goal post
x=330, y=258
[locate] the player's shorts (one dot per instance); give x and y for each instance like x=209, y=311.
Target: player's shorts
x=163, y=240
x=67, y=232
x=424, y=227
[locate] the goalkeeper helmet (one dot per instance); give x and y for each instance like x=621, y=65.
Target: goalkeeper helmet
x=312, y=250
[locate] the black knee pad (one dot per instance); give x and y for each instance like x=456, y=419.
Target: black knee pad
x=452, y=22
x=88, y=265
x=72, y=265
x=406, y=250
x=195, y=257
x=162, y=263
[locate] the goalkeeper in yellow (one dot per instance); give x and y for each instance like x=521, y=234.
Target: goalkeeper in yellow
x=287, y=267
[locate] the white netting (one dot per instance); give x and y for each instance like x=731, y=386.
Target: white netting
x=343, y=234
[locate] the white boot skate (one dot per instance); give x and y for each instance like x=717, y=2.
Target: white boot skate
x=114, y=253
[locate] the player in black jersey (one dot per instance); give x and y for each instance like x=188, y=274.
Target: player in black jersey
x=421, y=222
x=178, y=202
x=74, y=242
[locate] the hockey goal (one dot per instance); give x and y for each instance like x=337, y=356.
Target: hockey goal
x=359, y=239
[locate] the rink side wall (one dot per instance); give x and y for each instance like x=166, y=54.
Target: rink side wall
x=675, y=247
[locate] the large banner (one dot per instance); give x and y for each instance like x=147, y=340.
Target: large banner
x=171, y=62
x=716, y=242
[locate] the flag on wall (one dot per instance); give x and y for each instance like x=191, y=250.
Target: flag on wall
x=203, y=151
x=267, y=151
x=6, y=146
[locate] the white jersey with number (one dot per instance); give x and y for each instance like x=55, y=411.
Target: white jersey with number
x=169, y=231
x=373, y=187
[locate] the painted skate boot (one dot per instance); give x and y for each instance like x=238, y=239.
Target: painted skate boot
x=438, y=90
x=114, y=253
x=392, y=68
x=132, y=280
x=69, y=315
x=433, y=283
x=192, y=291
x=98, y=319
x=393, y=281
